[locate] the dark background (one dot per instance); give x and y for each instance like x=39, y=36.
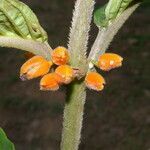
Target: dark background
x=118, y=118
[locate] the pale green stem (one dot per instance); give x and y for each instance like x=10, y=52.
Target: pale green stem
x=73, y=116
x=37, y=48
x=76, y=95
x=80, y=32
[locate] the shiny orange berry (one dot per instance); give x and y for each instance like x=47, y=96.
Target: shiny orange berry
x=60, y=56
x=109, y=61
x=94, y=81
x=49, y=82
x=35, y=67
x=65, y=73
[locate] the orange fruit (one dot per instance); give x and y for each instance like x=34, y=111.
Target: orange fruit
x=35, y=67
x=109, y=61
x=49, y=82
x=94, y=81
x=60, y=56
x=66, y=73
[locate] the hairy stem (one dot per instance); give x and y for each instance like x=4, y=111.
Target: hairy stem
x=34, y=47
x=106, y=35
x=73, y=116
x=76, y=95
x=80, y=32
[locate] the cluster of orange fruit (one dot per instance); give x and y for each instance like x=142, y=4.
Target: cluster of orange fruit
x=63, y=73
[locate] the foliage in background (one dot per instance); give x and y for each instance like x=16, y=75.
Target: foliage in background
x=5, y=143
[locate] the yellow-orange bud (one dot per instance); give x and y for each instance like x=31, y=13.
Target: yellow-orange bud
x=109, y=61
x=94, y=81
x=49, y=82
x=65, y=73
x=60, y=56
x=35, y=67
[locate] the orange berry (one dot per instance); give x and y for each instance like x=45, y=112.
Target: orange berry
x=65, y=73
x=60, y=56
x=94, y=81
x=35, y=67
x=49, y=82
x=109, y=61
x=58, y=78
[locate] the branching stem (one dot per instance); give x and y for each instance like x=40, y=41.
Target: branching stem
x=76, y=95
x=106, y=35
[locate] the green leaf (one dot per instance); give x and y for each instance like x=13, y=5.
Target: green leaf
x=5, y=143
x=115, y=8
x=110, y=11
x=18, y=20
x=100, y=18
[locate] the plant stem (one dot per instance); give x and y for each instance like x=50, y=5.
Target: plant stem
x=73, y=116
x=76, y=95
x=34, y=47
x=106, y=35
x=79, y=33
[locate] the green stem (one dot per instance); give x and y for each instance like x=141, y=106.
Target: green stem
x=37, y=48
x=79, y=33
x=76, y=95
x=106, y=35
x=73, y=116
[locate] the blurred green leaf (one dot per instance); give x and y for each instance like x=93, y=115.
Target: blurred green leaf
x=116, y=7
x=5, y=143
x=18, y=20
x=110, y=11
x=100, y=18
